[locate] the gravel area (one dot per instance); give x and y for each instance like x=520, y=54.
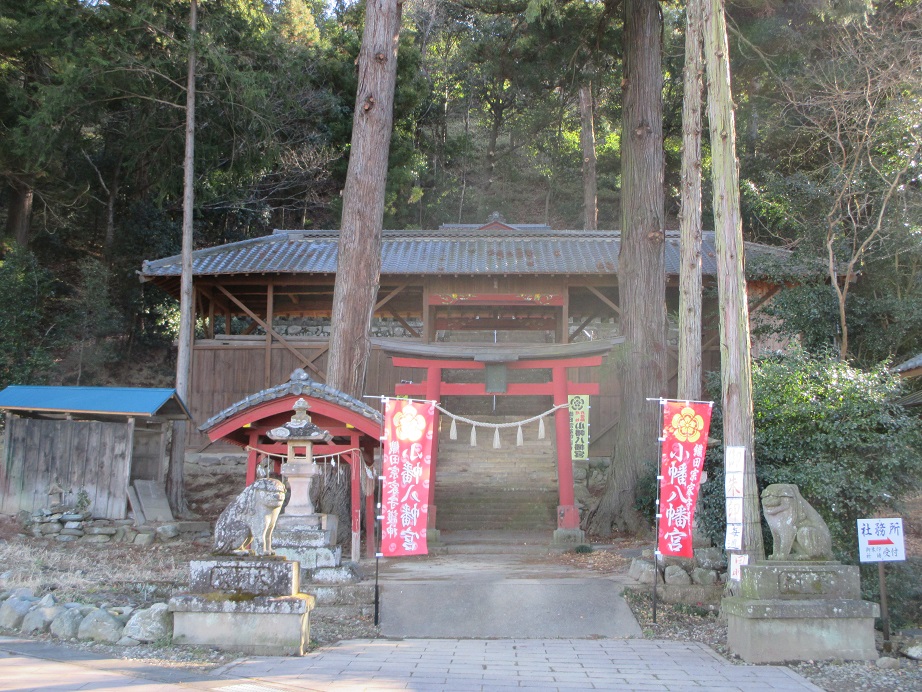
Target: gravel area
x=702, y=624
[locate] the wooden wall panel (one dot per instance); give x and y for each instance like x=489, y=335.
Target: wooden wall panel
x=147, y=461
x=90, y=455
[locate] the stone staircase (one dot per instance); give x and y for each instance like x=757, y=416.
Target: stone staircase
x=482, y=489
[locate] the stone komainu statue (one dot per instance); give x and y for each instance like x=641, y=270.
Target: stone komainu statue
x=798, y=531
x=250, y=519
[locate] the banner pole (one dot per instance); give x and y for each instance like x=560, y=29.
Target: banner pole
x=378, y=517
x=656, y=513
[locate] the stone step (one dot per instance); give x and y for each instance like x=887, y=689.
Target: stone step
x=339, y=612
x=487, y=488
x=340, y=594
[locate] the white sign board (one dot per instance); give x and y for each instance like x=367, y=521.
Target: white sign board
x=881, y=540
x=736, y=563
x=734, y=540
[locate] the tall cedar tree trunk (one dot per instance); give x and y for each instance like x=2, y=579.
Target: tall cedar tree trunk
x=175, y=489
x=587, y=143
x=19, y=213
x=735, y=354
x=641, y=272
x=689, y=385
x=359, y=266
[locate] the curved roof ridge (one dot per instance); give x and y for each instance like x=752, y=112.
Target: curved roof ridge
x=300, y=384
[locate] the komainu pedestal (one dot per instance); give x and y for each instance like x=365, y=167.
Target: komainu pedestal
x=799, y=611
x=250, y=605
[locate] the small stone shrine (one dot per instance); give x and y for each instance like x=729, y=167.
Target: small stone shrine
x=251, y=602
x=800, y=604
x=301, y=533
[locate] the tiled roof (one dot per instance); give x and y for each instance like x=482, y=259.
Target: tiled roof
x=450, y=250
x=911, y=364
x=299, y=385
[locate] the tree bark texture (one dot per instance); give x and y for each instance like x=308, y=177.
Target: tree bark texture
x=735, y=353
x=19, y=213
x=587, y=143
x=689, y=384
x=175, y=489
x=359, y=264
x=641, y=271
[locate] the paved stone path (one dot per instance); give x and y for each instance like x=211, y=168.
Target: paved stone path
x=456, y=665
x=505, y=664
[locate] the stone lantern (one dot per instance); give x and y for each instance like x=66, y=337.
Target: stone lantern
x=299, y=468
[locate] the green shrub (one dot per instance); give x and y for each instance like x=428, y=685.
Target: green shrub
x=832, y=429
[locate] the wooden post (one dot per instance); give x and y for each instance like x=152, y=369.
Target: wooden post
x=884, y=614
x=270, y=310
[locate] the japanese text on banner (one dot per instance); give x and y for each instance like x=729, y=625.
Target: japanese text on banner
x=685, y=437
x=579, y=426
x=407, y=459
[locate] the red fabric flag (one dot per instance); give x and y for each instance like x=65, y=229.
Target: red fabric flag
x=407, y=457
x=685, y=438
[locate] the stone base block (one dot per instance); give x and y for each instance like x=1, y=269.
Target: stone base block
x=568, y=537
x=346, y=573
x=690, y=594
x=255, y=576
x=261, y=626
x=800, y=580
x=300, y=539
x=775, y=631
x=433, y=537
x=312, y=558
x=343, y=594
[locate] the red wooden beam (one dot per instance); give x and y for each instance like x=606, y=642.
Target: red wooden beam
x=581, y=362
x=496, y=299
x=490, y=323
x=479, y=389
x=425, y=363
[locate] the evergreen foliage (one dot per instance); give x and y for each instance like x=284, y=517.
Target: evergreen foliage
x=486, y=118
x=834, y=430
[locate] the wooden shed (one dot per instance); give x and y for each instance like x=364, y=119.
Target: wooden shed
x=95, y=440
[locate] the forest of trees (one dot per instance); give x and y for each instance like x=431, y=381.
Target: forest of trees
x=487, y=116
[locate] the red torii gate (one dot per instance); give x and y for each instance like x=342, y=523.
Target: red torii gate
x=558, y=358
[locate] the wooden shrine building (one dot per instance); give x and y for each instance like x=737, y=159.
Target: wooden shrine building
x=496, y=318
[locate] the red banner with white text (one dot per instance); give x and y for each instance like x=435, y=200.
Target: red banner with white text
x=685, y=439
x=407, y=458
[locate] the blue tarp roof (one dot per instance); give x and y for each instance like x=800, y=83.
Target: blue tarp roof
x=118, y=401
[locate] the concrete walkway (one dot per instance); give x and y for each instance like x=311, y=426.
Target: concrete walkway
x=519, y=594
x=419, y=664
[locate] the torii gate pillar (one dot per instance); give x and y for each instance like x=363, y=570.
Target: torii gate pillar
x=568, y=530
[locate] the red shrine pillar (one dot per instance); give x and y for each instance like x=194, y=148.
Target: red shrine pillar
x=433, y=392
x=252, y=460
x=356, y=465
x=567, y=513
